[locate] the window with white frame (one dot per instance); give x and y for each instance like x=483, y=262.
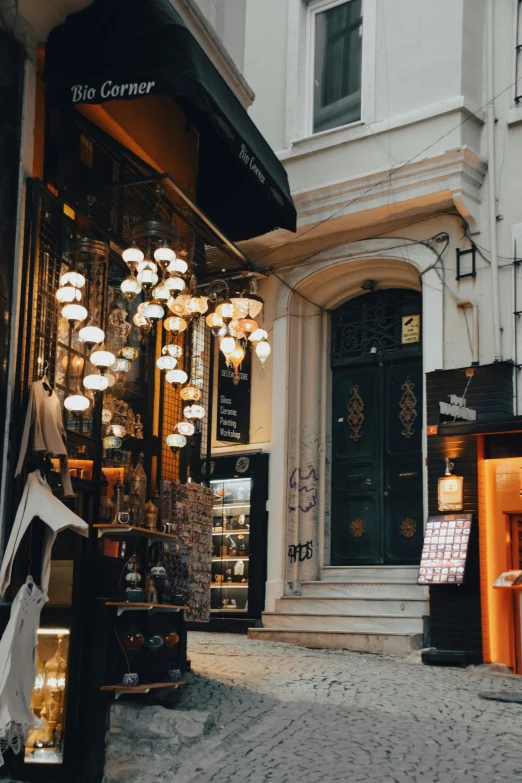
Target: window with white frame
x=335, y=41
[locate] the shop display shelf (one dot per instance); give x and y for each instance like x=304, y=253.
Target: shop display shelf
x=138, y=532
x=118, y=690
x=222, y=506
x=231, y=532
x=228, y=585
x=127, y=606
x=219, y=559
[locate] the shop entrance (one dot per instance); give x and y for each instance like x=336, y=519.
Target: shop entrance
x=377, y=508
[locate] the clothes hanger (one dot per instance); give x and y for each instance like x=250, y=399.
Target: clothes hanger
x=45, y=379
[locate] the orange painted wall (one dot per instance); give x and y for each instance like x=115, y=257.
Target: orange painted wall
x=502, y=481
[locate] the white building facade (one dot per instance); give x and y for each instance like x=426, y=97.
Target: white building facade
x=401, y=132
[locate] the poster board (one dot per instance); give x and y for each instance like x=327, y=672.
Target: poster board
x=445, y=549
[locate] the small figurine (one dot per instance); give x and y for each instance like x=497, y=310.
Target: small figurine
x=138, y=428
x=151, y=516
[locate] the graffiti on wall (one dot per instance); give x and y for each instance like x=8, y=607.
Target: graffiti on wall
x=303, y=489
x=301, y=552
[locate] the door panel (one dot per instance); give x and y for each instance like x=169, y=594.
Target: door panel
x=377, y=464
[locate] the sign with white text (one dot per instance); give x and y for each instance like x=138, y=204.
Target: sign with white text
x=233, y=401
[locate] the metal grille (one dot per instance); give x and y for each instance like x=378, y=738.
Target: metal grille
x=372, y=323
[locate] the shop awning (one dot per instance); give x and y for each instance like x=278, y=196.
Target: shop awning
x=125, y=49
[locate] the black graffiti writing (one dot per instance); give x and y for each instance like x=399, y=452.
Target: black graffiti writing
x=301, y=552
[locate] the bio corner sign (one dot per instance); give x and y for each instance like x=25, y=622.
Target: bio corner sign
x=233, y=402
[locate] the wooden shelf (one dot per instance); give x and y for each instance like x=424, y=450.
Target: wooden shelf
x=227, y=585
x=118, y=690
x=239, y=531
x=219, y=559
x=128, y=606
x=139, y=532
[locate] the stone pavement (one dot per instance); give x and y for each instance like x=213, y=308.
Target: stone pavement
x=275, y=713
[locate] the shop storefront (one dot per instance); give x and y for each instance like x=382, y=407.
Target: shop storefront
x=146, y=169
x=471, y=424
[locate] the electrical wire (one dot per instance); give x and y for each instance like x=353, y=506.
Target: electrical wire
x=383, y=180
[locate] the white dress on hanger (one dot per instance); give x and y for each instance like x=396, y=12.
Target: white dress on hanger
x=18, y=643
x=44, y=415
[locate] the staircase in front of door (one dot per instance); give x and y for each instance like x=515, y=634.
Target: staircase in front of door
x=376, y=609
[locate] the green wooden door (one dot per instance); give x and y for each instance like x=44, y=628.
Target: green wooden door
x=376, y=497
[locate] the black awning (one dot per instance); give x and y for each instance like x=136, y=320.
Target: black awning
x=124, y=49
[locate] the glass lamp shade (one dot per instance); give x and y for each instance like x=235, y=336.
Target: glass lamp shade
x=175, y=324
x=177, y=304
x=102, y=359
x=73, y=278
x=255, y=305
x=235, y=330
x=263, y=351
x=164, y=255
x=194, y=412
x=236, y=357
x=111, y=378
x=147, y=277
x=68, y=294
x=132, y=255
x=76, y=403
x=214, y=321
x=91, y=335
x=248, y=325
x=106, y=415
x=175, y=284
x=172, y=350
x=166, y=363
x=241, y=304
x=140, y=321
x=74, y=312
x=161, y=293
x=227, y=346
x=185, y=428
x=121, y=365
x=147, y=264
x=190, y=392
x=197, y=304
x=176, y=441
x=176, y=376
x=128, y=352
x=118, y=430
x=96, y=382
x=226, y=310
x=178, y=265
x=130, y=287
x=154, y=311
x=258, y=335
x=111, y=442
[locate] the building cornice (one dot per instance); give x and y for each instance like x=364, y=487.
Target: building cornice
x=205, y=35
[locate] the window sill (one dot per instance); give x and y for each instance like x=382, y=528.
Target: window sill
x=514, y=115
x=327, y=138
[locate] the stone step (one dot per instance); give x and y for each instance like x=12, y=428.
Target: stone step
x=318, y=621
x=386, y=644
x=365, y=607
x=396, y=590
x=371, y=574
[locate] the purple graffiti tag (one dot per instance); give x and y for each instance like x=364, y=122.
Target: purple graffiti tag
x=306, y=485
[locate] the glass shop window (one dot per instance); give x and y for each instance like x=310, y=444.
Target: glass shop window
x=336, y=39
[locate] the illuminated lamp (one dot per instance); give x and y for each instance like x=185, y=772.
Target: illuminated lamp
x=190, y=392
x=164, y=255
x=102, y=360
x=255, y=305
x=227, y=346
x=248, y=325
x=121, y=365
x=153, y=311
x=215, y=322
x=226, y=310
x=161, y=293
x=175, y=441
x=451, y=490
x=96, y=382
x=118, y=430
x=91, y=336
x=73, y=278
x=176, y=376
x=178, y=265
x=74, y=313
x=133, y=256
x=241, y=304
x=185, y=428
x=175, y=284
x=166, y=363
x=112, y=443
x=175, y=324
x=258, y=335
x=130, y=288
x=128, y=352
x=263, y=351
x=76, y=403
x=68, y=294
x=194, y=412
x=172, y=350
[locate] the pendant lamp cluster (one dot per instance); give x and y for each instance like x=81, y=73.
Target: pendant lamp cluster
x=159, y=270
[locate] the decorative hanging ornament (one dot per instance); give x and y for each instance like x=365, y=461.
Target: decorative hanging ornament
x=171, y=349
x=96, y=382
x=258, y=335
x=161, y=293
x=68, y=294
x=227, y=346
x=153, y=311
x=236, y=357
x=129, y=352
x=175, y=441
x=74, y=313
x=130, y=288
x=166, y=363
x=164, y=255
x=121, y=365
x=91, y=336
x=76, y=403
x=176, y=377
x=178, y=265
x=190, y=392
x=175, y=324
x=175, y=284
x=194, y=412
x=185, y=428
x=132, y=256
x=73, y=278
x=263, y=351
x=141, y=322
x=102, y=360
x=147, y=278
x=241, y=304
x=118, y=430
x=215, y=322
x=248, y=325
x=226, y=310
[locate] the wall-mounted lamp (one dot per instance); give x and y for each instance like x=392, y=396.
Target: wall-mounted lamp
x=451, y=490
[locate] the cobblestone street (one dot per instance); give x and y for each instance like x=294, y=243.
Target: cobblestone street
x=282, y=714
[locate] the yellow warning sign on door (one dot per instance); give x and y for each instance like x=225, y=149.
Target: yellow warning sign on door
x=410, y=328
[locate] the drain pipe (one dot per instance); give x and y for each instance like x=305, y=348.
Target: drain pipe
x=492, y=175
x=463, y=305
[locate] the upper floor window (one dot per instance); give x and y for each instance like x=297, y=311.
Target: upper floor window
x=336, y=42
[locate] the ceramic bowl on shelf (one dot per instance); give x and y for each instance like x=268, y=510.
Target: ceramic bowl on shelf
x=130, y=680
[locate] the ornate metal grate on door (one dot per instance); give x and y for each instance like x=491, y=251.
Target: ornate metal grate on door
x=373, y=321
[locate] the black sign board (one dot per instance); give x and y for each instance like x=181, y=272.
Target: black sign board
x=445, y=549
x=233, y=401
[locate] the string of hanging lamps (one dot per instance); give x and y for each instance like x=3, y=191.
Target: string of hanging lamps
x=159, y=269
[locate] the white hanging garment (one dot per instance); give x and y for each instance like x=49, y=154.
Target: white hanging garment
x=44, y=415
x=18, y=643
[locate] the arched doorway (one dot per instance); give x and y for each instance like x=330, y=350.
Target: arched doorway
x=377, y=381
